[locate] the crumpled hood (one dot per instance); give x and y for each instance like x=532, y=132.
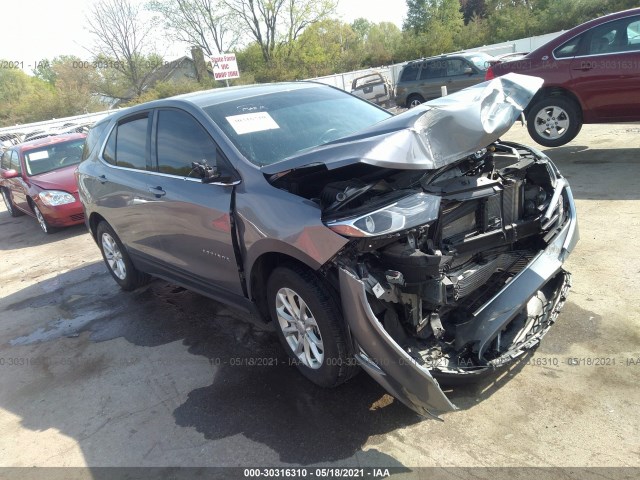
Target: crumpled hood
x=431, y=135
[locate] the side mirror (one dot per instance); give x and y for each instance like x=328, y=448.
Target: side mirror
x=468, y=71
x=209, y=174
x=206, y=172
x=7, y=174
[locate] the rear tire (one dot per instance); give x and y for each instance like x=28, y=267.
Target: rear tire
x=309, y=323
x=11, y=208
x=118, y=260
x=414, y=100
x=554, y=121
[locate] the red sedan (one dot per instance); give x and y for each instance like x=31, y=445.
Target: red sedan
x=591, y=75
x=37, y=178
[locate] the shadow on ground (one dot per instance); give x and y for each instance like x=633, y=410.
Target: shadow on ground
x=254, y=392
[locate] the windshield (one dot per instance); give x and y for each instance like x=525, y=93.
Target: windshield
x=53, y=157
x=482, y=60
x=269, y=128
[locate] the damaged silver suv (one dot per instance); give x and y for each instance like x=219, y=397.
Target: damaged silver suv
x=411, y=246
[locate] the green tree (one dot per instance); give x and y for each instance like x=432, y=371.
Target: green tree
x=322, y=50
x=278, y=23
x=361, y=27
x=381, y=44
x=418, y=12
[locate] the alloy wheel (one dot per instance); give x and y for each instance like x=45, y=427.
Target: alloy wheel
x=41, y=220
x=113, y=256
x=300, y=328
x=551, y=122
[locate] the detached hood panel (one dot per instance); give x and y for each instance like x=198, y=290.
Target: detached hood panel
x=431, y=135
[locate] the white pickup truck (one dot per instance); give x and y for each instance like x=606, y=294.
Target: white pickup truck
x=373, y=87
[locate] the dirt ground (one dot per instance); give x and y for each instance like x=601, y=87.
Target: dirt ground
x=93, y=376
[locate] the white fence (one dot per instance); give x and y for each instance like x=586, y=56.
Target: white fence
x=16, y=134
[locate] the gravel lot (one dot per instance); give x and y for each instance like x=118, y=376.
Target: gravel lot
x=92, y=376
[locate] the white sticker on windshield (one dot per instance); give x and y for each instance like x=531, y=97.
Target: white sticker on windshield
x=252, y=122
x=38, y=155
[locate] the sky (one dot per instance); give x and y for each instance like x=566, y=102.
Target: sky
x=51, y=28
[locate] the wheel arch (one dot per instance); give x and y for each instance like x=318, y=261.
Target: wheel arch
x=415, y=95
x=546, y=92
x=262, y=268
x=94, y=221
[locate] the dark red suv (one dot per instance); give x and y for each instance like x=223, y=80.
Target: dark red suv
x=591, y=75
x=37, y=178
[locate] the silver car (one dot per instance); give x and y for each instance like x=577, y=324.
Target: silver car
x=409, y=246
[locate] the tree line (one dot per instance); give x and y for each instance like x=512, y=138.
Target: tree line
x=274, y=40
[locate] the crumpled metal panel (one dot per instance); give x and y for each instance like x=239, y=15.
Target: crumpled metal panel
x=431, y=135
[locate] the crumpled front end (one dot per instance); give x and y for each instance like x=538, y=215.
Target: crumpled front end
x=456, y=239
x=471, y=289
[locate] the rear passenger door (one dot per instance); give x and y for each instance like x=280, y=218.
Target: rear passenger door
x=433, y=76
x=122, y=189
x=191, y=219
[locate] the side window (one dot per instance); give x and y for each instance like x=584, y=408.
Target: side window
x=94, y=136
x=6, y=162
x=434, y=69
x=131, y=142
x=455, y=67
x=181, y=140
x=15, y=162
x=633, y=34
x=410, y=72
x=569, y=49
x=614, y=37
x=109, y=154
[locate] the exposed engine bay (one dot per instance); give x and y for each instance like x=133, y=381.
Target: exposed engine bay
x=469, y=228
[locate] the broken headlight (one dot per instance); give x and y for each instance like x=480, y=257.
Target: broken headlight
x=408, y=212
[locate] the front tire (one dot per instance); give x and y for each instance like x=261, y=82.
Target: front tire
x=117, y=259
x=554, y=121
x=44, y=225
x=11, y=208
x=309, y=323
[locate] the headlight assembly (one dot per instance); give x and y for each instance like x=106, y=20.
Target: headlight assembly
x=405, y=213
x=53, y=198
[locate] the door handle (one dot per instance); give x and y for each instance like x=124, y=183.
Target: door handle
x=103, y=179
x=157, y=191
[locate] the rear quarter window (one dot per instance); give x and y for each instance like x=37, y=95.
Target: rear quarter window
x=410, y=72
x=94, y=138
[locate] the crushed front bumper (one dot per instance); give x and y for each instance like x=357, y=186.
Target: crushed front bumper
x=412, y=382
